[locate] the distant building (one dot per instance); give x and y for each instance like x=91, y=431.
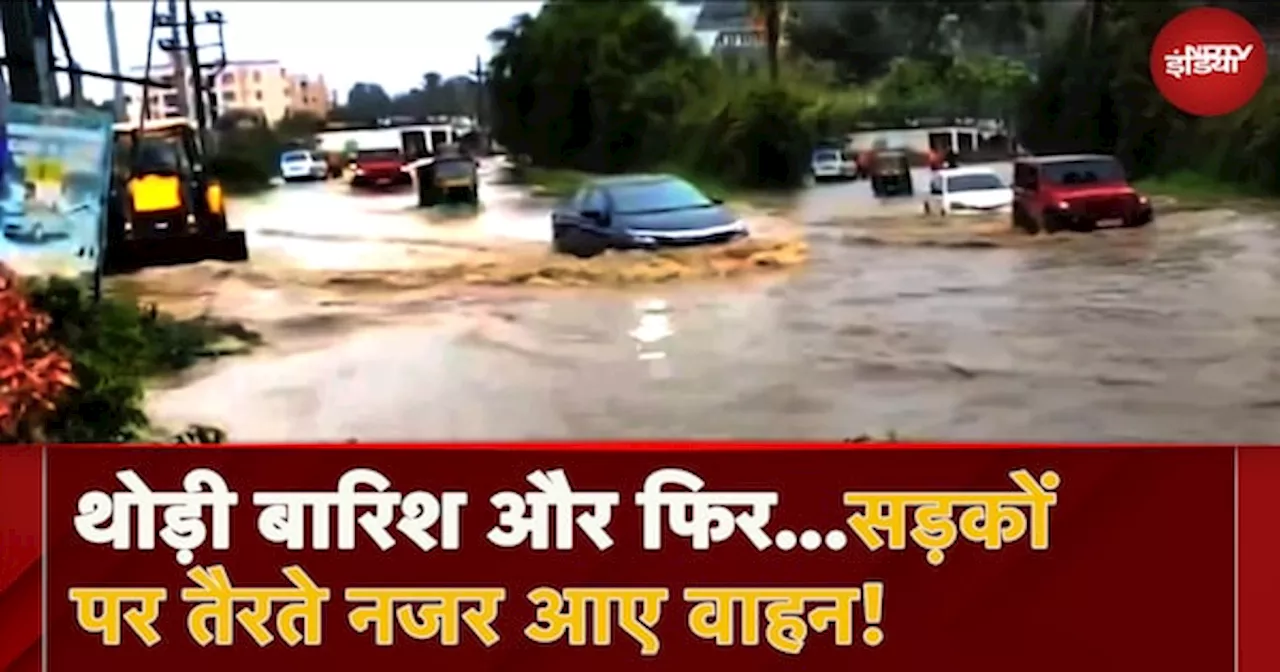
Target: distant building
x=732, y=31
x=309, y=95
x=262, y=87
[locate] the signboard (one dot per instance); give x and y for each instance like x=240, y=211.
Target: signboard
x=56, y=177
x=630, y=556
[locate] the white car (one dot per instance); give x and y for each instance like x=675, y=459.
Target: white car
x=967, y=191
x=833, y=164
x=301, y=164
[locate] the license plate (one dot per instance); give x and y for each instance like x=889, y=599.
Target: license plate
x=1110, y=222
x=384, y=180
x=162, y=225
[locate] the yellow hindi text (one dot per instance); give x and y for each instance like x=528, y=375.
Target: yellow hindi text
x=222, y=614
x=991, y=519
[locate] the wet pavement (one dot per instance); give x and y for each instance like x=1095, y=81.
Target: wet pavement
x=1167, y=334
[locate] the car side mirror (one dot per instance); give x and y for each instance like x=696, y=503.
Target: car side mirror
x=718, y=201
x=593, y=215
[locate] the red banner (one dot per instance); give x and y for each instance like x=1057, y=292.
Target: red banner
x=626, y=556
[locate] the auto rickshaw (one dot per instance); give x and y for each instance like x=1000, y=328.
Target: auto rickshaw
x=891, y=174
x=449, y=178
x=164, y=207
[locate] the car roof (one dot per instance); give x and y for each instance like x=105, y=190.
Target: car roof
x=968, y=170
x=632, y=180
x=1065, y=158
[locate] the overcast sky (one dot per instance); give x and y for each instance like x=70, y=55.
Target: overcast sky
x=389, y=43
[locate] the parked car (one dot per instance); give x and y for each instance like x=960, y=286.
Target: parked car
x=300, y=164
x=1075, y=192
x=378, y=168
x=967, y=190
x=833, y=164
x=640, y=212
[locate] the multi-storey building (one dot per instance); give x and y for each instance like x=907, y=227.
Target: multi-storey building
x=262, y=87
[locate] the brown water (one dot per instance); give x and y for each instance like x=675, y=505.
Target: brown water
x=1165, y=334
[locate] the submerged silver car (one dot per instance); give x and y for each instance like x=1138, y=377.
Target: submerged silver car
x=38, y=225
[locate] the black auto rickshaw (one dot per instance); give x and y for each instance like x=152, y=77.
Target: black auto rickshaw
x=891, y=174
x=446, y=179
x=164, y=206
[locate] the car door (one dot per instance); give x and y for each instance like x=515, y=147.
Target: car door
x=1025, y=186
x=569, y=225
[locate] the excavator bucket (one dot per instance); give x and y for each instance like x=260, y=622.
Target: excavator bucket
x=124, y=256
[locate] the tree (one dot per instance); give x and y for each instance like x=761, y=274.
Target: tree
x=300, y=125
x=768, y=14
x=567, y=86
x=849, y=35
x=863, y=38
x=366, y=102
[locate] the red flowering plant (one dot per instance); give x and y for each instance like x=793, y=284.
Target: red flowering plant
x=34, y=372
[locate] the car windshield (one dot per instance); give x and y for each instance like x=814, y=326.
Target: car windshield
x=975, y=182
x=826, y=157
x=1083, y=171
x=289, y=157
x=656, y=196
x=157, y=154
x=453, y=170
x=378, y=155
x=890, y=161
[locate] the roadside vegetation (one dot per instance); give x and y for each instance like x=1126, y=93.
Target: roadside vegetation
x=591, y=88
x=1096, y=94
x=75, y=370
x=246, y=150
x=595, y=88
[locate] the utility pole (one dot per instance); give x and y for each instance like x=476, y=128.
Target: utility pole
x=113, y=46
x=29, y=51
x=193, y=60
x=180, y=82
x=481, y=93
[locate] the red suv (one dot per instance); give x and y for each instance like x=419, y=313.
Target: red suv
x=1075, y=192
x=378, y=167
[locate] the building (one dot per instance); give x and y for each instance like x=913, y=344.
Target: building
x=261, y=87
x=732, y=30
x=309, y=95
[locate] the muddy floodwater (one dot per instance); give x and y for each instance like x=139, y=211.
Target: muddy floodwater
x=937, y=330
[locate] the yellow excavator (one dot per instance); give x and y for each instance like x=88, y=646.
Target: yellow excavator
x=164, y=207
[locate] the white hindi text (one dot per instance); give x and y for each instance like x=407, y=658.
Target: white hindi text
x=550, y=516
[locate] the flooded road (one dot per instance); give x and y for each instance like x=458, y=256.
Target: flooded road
x=1169, y=334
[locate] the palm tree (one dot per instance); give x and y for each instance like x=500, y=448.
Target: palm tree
x=768, y=15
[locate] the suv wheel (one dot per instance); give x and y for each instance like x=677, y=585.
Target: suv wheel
x=1024, y=222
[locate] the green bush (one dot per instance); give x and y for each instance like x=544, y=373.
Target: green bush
x=115, y=347
x=245, y=158
x=757, y=135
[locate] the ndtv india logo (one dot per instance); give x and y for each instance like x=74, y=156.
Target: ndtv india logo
x=1208, y=61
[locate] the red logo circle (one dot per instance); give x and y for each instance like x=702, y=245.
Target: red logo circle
x=1208, y=61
